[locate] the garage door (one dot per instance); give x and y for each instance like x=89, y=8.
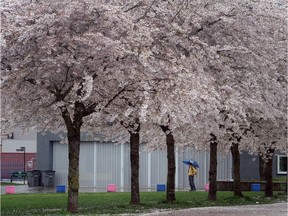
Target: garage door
x=99, y=164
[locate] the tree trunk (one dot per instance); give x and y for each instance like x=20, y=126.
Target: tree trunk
x=268, y=173
x=170, y=142
x=236, y=170
x=134, y=160
x=170, y=194
x=73, y=174
x=73, y=134
x=213, y=169
x=262, y=166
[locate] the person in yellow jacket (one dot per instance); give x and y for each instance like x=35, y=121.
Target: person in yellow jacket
x=192, y=171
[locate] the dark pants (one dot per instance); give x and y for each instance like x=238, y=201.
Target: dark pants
x=191, y=183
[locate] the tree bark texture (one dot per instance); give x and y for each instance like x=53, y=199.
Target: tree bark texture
x=170, y=143
x=134, y=160
x=236, y=170
x=213, y=170
x=73, y=173
x=268, y=173
x=73, y=134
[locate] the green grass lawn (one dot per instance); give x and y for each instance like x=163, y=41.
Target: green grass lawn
x=118, y=203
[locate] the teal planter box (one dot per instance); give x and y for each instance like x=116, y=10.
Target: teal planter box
x=255, y=187
x=60, y=189
x=160, y=187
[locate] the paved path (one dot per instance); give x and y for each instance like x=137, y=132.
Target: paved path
x=277, y=209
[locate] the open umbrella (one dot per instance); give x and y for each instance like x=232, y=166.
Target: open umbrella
x=187, y=162
x=193, y=162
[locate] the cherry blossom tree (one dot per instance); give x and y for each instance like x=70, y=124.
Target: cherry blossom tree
x=249, y=68
x=177, y=64
x=129, y=120
x=73, y=59
x=267, y=137
x=269, y=60
x=227, y=40
x=176, y=92
x=62, y=64
x=195, y=24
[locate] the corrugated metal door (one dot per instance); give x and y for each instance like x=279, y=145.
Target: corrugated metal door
x=86, y=163
x=107, y=163
x=159, y=167
x=60, y=163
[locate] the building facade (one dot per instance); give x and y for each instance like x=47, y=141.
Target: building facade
x=13, y=156
x=249, y=166
x=109, y=163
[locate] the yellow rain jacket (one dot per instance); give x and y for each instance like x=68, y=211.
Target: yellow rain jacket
x=192, y=170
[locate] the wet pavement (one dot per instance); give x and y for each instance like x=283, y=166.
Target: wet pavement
x=21, y=188
x=276, y=209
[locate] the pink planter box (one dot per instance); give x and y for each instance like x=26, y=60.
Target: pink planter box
x=206, y=187
x=10, y=189
x=111, y=188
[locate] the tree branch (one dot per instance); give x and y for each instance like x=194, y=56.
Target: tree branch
x=89, y=109
x=134, y=6
x=115, y=96
x=30, y=80
x=146, y=12
x=178, y=11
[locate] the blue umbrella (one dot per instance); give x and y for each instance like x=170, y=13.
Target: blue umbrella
x=193, y=162
x=186, y=162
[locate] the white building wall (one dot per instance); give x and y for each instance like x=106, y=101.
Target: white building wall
x=10, y=146
x=18, y=134
x=106, y=163
x=16, y=138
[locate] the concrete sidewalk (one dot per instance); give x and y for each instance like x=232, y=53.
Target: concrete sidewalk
x=276, y=209
x=25, y=189
x=21, y=188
